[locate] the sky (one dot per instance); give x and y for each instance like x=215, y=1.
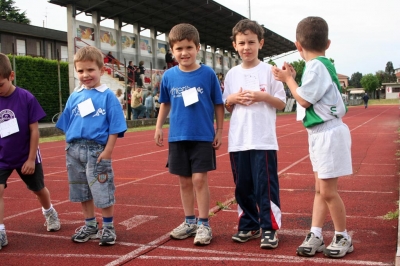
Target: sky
x=364, y=35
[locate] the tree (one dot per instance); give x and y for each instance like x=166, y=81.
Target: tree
x=355, y=80
x=299, y=66
x=389, y=73
x=389, y=68
x=271, y=62
x=370, y=82
x=11, y=13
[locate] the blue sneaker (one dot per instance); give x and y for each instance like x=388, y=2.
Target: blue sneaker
x=184, y=230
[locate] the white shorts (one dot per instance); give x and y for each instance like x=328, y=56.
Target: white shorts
x=330, y=149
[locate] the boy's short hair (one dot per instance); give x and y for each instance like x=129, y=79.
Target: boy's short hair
x=312, y=34
x=89, y=53
x=182, y=32
x=246, y=24
x=5, y=66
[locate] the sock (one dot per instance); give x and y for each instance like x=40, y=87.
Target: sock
x=203, y=221
x=344, y=234
x=190, y=219
x=317, y=231
x=48, y=210
x=91, y=222
x=108, y=222
x=2, y=227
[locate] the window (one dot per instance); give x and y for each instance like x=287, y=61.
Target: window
x=64, y=53
x=21, y=49
x=49, y=53
x=38, y=48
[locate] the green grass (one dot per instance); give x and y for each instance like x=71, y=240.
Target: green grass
x=391, y=215
x=383, y=102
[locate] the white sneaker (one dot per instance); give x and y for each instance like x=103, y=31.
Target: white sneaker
x=310, y=246
x=203, y=235
x=184, y=230
x=52, y=221
x=339, y=247
x=3, y=239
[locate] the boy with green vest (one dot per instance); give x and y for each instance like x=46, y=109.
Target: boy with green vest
x=321, y=108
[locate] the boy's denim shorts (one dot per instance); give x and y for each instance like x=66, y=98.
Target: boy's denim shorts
x=88, y=179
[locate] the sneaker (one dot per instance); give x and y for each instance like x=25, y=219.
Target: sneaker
x=84, y=233
x=184, y=230
x=244, y=236
x=107, y=236
x=52, y=222
x=310, y=245
x=203, y=235
x=339, y=247
x=269, y=239
x=3, y=239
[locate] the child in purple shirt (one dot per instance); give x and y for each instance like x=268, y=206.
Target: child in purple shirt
x=19, y=145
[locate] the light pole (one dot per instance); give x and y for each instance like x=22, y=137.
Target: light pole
x=249, y=10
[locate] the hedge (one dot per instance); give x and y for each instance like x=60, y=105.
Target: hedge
x=40, y=77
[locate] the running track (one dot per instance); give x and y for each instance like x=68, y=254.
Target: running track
x=148, y=204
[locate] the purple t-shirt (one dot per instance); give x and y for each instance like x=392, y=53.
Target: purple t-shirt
x=14, y=149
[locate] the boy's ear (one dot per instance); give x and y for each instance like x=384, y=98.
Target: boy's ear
x=261, y=43
x=298, y=46
x=12, y=76
x=328, y=44
x=234, y=45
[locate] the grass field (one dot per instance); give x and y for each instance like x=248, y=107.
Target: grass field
x=383, y=101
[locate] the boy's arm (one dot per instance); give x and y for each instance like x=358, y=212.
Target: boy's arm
x=162, y=115
x=219, y=117
x=106, y=154
x=286, y=75
x=28, y=168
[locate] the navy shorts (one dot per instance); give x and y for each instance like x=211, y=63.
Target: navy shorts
x=34, y=182
x=188, y=157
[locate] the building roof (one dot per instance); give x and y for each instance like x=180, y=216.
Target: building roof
x=340, y=76
x=213, y=21
x=29, y=30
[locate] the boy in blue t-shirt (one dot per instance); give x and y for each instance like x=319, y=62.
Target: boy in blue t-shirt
x=19, y=145
x=320, y=106
x=193, y=95
x=92, y=120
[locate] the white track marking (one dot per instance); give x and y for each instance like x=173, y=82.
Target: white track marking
x=137, y=220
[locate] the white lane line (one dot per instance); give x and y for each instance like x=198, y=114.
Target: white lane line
x=131, y=255
x=86, y=256
x=282, y=259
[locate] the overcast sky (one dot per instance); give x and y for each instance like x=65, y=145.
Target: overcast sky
x=365, y=35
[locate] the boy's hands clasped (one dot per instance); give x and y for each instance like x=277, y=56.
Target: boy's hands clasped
x=245, y=97
x=285, y=73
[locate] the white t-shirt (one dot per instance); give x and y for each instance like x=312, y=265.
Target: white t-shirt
x=318, y=88
x=253, y=127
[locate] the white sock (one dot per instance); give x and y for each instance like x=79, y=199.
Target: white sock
x=2, y=227
x=344, y=234
x=317, y=231
x=49, y=209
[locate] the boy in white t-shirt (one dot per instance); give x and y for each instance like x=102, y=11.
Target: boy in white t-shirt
x=320, y=106
x=252, y=95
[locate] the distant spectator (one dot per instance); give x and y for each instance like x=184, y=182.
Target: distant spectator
x=140, y=74
x=156, y=104
x=131, y=73
x=365, y=99
x=113, y=60
x=128, y=99
x=120, y=97
x=148, y=103
x=156, y=80
x=137, y=105
x=169, y=59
